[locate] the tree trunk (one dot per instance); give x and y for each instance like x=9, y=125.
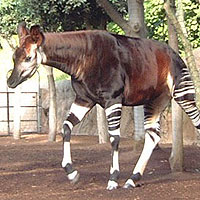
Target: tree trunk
x=52, y=106
x=138, y=112
x=17, y=114
x=102, y=125
x=136, y=18
x=136, y=21
x=114, y=15
x=176, y=157
x=188, y=50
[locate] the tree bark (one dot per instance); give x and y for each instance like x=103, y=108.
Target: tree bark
x=102, y=125
x=136, y=21
x=114, y=14
x=136, y=18
x=188, y=50
x=52, y=106
x=176, y=157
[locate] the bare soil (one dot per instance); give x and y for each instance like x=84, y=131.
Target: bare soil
x=30, y=169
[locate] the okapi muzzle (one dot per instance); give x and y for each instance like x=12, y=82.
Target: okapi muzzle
x=21, y=73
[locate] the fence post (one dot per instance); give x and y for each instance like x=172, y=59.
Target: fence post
x=17, y=113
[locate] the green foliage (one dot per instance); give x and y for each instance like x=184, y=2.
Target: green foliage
x=8, y=17
x=51, y=15
x=114, y=28
x=156, y=21
x=60, y=76
x=192, y=21
x=120, y=5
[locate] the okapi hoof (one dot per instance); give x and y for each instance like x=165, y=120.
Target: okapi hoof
x=72, y=174
x=74, y=177
x=112, y=185
x=129, y=184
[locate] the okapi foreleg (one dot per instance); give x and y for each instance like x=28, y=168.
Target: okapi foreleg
x=76, y=114
x=113, y=115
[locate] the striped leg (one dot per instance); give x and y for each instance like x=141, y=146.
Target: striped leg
x=113, y=115
x=76, y=114
x=152, y=129
x=184, y=95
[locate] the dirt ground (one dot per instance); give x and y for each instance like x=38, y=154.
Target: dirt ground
x=30, y=169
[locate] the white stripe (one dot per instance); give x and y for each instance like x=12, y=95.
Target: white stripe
x=115, y=132
x=113, y=125
x=114, y=122
x=69, y=124
x=191, y=110
x=196, y=123
x=186, y=82
x=117, y=118
x=176, y=95
x=170, y=83
x=187, y=106
x=79, y=111
x=186, y=102
x=111, y=108
x=149, y=124
x=186, y=88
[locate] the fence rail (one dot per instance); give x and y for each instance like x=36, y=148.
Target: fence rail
x=30, y=112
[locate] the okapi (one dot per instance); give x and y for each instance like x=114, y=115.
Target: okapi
x=113, y=71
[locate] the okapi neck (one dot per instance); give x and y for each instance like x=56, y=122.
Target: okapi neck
x=64, y=54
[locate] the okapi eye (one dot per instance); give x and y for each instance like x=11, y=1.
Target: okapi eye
x=28, y=59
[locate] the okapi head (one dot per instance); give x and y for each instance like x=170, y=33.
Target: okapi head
x=26, y=57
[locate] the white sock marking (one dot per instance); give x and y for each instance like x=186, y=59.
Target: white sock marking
x=72, y=175
x=128, y=183
x=66, y=154
x=112, y=185
x=115, y=162
x=149, y=145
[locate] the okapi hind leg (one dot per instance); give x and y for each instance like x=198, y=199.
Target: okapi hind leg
x=184, y=95
x=76, y=114
x=113, y=115
x=152, y=112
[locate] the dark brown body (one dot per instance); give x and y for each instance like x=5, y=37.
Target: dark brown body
x=109, y=66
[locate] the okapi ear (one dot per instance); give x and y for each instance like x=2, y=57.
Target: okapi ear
x=37, y=35
x=22, y=31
